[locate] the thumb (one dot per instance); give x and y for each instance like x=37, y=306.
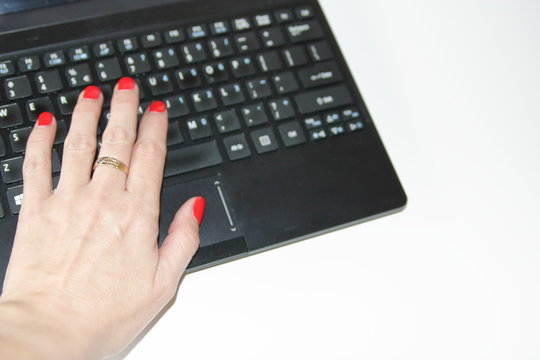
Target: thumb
x=181, y=242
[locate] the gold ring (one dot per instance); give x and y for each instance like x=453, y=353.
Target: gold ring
x=112, y=162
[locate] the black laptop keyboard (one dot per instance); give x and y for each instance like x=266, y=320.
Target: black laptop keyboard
x=235, y=89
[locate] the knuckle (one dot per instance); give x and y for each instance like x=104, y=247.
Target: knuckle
x=150, y=148
x=117, y=135
x=79, y=143
x=189, y=242
x=35, y=164
x=37, y=138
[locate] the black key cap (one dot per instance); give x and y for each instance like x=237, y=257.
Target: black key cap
x=108, y=69
x=199, y=128
x=313, y=122
x=254, y=114
x=304, y=12
x=18, y=139
x=151, y=40
x=320, y=51
x=165, y=58
x=159, y=84
x=10, y=115
x=174, y=36
x=103, y=49
x=323, y=99
x=337, y=129
x=204, y=100
x=137, y=63
x=61, y=132
x=284, y=16
x=264, y=140
x=11, y=170
x=17, y=87
x=281, y=109
x=194, y=53
x=269, y=61
x=226, y=121
x=15, y=198
x=221, y=47
x=128, y=44
x=354, y=125
x=197, y=32
x=1, y=211
x=332, y=118
x=174, y=135
x=243, y=66
x=48, y=81
x=3, y=149
x=241, y=24
x=106, y=90
x=54, y=58
x=215, y=73
x=37, y=106
x=188, y=78
x=305, y=31
x=292, y=134
x=176, y=106
x=247, y=42
x=192, y=158
x=317, y=134
x=350, y=113
x=272, y=37
x=28, y=63
x=237, y=147
x=79, y=75
x=6, y=68
x=219, y=28
x=67, y=102
x=320, y=74
x=263, y=20
x=295, y=56
x=80, y=53
x=231, y=94
x=285, y=82
x=258, y=88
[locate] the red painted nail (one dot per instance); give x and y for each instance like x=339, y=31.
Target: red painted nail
x=45, y=119
x=157, y=106
x=126, y=83
x=91, y=92
x=198, y=209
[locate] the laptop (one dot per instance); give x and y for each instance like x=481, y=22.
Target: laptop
x=265, y=120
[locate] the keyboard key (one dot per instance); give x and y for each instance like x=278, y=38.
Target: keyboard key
x=79, y=75
x=350, y=113
x=165, y=58
x=237, y=147
x=159, y=84
x=284, y=16
x=48, y=81
x=192, y=158
x=6, y=68
x=10, y=115
x=247, y=42
x=332, y=118
x=197, y=32
x=67, y=101
x=128, y=44
x=263, y=20
x=17, y=87
x=336, y=130
x=219, y=28
x=151, y=40
x=269, y=61
x=204, y=100
x=1, y=211
x=103, y=49
x=227, y=121
x=188, y=78
x=323, y=99
x=176, y=106
x=285, y=82
x=137, y=63
x=254, y=114
x=295, y=56
x=28, y=63
x=79, y=54
x=281, y=109
x=264, y=140
x=37, y=106
x=54, y=58
x=354, y=125
x=320, y=51
x=174, y=36
x=194, y=53
x=304, y=12
x=292, y=134
x=313, y=122
x=221, y=47
x=108, y=69
x=199, y=128
x=258, y=88
x=106, y=90
x=305, y=31
x=11, y=170
x=241, y=24
x=317, y=134
x=273, y=37
x=174, y=135
x=215, y=73
x=320, y=74
x=15, y=198
x=243, y=67
x=3, y=149
x=231, y=94
x=18, y=139
x=61, y=132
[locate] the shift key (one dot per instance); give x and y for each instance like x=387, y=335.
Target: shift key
x=192, y=158
x=323, y=99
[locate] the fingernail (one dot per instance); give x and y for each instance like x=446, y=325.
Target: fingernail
x=126, y=83
x=91, y=92
x=157, y=106
x=45, y=119
x=198, y=209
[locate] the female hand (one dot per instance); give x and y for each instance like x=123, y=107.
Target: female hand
x=85, y=274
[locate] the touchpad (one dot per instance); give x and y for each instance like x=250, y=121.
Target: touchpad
x=218, y=224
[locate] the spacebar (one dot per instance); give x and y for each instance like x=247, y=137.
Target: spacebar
x=192, y=158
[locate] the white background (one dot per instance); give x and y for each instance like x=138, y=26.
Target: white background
x=454, y=89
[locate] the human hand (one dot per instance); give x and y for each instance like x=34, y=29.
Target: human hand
x=85, y=274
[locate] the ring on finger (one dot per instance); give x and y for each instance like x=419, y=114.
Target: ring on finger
x=111, y=162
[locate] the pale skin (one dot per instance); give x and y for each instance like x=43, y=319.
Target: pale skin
x=86, y=274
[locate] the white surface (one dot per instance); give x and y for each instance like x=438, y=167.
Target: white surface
x=454, y=89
